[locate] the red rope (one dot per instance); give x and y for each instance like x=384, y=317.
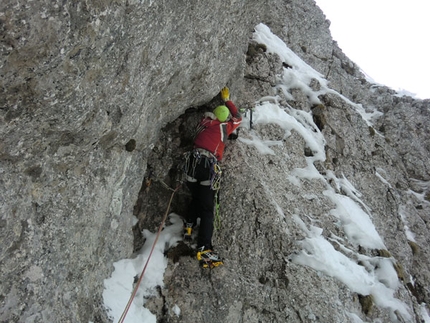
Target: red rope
x=133, y=294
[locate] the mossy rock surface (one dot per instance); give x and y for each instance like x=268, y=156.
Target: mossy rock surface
x=415, y=247
x=400, y=271
x=384, y=253
x=366, y=303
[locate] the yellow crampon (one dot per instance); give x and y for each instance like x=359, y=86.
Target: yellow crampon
x=208, y=260
x=211, y=264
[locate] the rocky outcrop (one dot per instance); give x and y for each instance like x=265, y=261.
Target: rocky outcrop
x=94, y=92
x=86, y=88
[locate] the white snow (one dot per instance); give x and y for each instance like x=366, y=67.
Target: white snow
x=362, y=274
x=119, y=286
x=263, y=146
x=378, y=173
x=320, y=254
x=425, y=313
x=356, y=223
x=176, y=310
x=409, y=234
x=424, y=187
x=300, y=74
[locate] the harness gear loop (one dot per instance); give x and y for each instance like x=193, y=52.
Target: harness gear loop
x=200, y=155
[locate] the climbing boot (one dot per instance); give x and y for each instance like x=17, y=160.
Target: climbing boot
x=188, y=231
x=208, y=258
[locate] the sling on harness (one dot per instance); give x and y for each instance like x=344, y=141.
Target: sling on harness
x=200, y=155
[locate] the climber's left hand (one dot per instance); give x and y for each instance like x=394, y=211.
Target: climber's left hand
x=225, y=94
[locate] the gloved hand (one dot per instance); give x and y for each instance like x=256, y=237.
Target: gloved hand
x=225, y=94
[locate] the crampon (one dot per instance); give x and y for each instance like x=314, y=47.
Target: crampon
x=188, y=231
x=209, y=259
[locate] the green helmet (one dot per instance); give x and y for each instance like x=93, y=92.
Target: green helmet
x=222, y=113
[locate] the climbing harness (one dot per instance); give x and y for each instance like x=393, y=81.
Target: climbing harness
x=136, y=287
x=201, y=155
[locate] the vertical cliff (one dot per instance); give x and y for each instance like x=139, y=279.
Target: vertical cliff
x=86, y=87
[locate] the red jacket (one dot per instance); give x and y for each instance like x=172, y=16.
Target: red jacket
x=213, y=134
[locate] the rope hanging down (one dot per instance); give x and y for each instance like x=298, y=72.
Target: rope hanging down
x=133, y=294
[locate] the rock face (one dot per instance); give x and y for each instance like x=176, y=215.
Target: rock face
x=93, y=93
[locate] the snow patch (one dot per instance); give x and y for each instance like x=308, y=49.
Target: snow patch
x=119, y=287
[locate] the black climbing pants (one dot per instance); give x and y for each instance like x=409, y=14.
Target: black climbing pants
x=203, y=200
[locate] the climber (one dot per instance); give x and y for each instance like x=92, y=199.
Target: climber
x=203, y=174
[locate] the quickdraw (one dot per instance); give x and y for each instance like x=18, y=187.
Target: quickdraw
x=216, y=177
x=217, y=218
x=245, y=111
x=187, y=165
